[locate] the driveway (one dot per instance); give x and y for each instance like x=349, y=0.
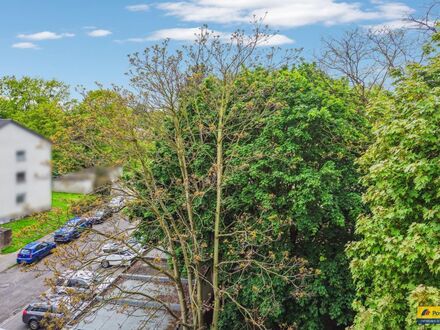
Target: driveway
x=21, y=285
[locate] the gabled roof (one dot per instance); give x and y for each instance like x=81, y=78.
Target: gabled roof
x=4, y=122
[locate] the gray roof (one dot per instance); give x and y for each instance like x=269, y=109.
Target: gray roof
x=4, y=122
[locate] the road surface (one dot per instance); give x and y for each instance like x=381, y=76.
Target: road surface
x=21, y=285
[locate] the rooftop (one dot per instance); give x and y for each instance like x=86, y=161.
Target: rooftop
x=5, y=122
x=31, y=245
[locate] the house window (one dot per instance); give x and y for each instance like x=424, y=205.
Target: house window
x=20, y=198
x=20, y=155
x=21, y=177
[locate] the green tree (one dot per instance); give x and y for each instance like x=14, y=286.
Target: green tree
x=94, y=131
x=26, y=93
x=181, y=180
x=290, y=194
x=398, y=257
x=295, y=177
x=40, y=105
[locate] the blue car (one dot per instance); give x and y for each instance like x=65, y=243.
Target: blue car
x=71, y=230
x=34, y=251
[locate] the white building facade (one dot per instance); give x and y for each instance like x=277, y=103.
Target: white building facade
x=25, y=171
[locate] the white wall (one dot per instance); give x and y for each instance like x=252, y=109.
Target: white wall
x=84, y=186
x=83, y=182
x=37, y=167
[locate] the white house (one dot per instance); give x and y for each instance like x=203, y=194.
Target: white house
x=25, y=171
x=87, y=181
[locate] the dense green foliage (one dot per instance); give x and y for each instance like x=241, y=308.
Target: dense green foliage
x=396, y=263
x=37, y=104
x=28, y=93
x=92, y=129
x=297, y=171
x=78, y=130
x=299, y=247
x=291, y=187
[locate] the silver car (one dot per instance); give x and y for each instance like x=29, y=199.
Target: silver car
x=119, y=258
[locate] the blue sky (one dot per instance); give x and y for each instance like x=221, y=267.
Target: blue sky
x=85, y=41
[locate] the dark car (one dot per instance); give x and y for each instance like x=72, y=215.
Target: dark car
x=72, y=229
x=100, y=216
x=66, y=234
x=35, y=251
x=79, y=223
x=34, y=314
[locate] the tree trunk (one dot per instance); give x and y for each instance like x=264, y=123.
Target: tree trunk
x=219, y=172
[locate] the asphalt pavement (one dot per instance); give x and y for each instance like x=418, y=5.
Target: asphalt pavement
x=21, y=285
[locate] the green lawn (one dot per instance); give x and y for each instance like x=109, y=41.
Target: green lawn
x=38, y=225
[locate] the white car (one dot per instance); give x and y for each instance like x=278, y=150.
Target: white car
x=100, y=216
x=82, y=281
x=117, y=203
x=112, y=247
x=118, y=258
x=132, y=245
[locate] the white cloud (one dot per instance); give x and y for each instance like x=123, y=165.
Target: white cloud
x=195, y=12
x=140, y=7
x=45, y=35
x=392, y=25
x=190, y=34
x=25, y=45
x=277, y=40
x=179, y=34
x=394, y=10
x=99, y=33
x=283, y=13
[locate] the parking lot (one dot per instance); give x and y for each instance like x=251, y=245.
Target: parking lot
x=21, y=285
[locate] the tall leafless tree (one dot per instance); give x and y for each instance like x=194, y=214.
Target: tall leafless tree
x=369, y=56
x=171, y=83
x=429, y=21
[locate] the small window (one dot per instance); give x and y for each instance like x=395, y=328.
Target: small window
x=60, y=282
x=20, y=198
x=20, y=155
x=82, y=284
x=21, y=177
x=25, y=252
x=41, y=309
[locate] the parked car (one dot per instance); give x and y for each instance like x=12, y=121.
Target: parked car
x=35, y=251
x=81, y=281
x=79, y=223
x=111, y=247
x=135, y=246
x=34, y=313
x=66, y=234
x=119, y=258
x=52, y=306
x=117, y=203
x=100, y=216
x=72, y=229
x=131, y=245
